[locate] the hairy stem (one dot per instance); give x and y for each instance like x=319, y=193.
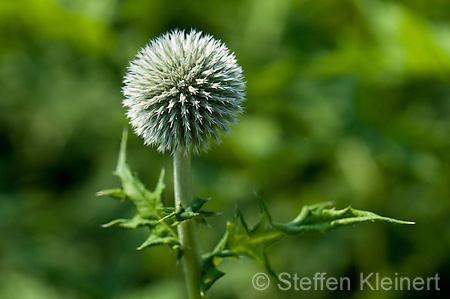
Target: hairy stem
x=186, y=229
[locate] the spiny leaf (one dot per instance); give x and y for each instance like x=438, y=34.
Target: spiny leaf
x=322, y=218
x=210, y=274
x=252, y=242
x=265, y=222
x=242, y=241
x=133, y=223
x=239, y=240
x=114, y=193
x=160, y=236
x=149, y=205
x=146, y=202
x=193, y=211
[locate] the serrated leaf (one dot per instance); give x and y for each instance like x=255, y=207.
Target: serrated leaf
x=149, y=205
x=114, y=193
x=322, y=218
x=193, y=211
x=160, y=236
x=241, y=240
x=265, y=221
x=238, y=239
x=210, y=274
x=135, y=222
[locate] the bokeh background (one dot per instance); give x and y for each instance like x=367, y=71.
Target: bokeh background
x=348, y=101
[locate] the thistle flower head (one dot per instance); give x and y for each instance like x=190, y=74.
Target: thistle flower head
x=183, y=91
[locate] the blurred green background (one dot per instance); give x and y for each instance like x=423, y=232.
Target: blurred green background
x=348, y=101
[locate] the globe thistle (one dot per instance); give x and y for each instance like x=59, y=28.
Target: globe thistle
x=183, y=91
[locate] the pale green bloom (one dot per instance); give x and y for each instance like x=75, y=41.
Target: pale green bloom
x=183, y=90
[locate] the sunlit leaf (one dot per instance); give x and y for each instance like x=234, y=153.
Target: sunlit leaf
x=149, y=205
x=114, y=193
x=193, y=211
x=321, y=217
x=239, y=240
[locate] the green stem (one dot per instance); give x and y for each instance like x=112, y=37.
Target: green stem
x=186, y=229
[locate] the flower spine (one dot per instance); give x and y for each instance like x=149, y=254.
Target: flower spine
x=182, y=91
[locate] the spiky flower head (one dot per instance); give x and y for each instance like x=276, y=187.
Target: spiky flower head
x=183, y=91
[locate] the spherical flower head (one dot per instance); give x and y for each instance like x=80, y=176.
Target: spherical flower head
x=183, y=91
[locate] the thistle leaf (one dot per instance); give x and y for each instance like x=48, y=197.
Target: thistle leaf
x=135, y=222
x=114, y=193
x=251, y=242
x=149, y=205
x=193, y=211
x=239, y=240
x=321, y=217
x=160, y=236
x=210, y=274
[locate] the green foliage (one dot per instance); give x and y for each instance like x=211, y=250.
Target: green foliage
x=180, y=214
x=238, y=240
x=322, y=217
x=150, y=209
x=149, y=205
